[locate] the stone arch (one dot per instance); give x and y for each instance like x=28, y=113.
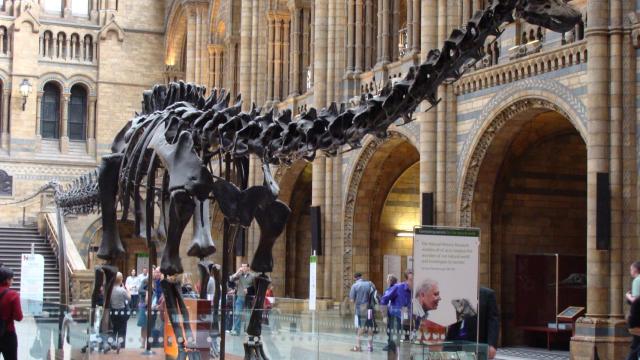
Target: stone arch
x=550, y=92
x=56, y=78
x=176, y=36
x=502, y=108
x=84, y=81
x=356, y=173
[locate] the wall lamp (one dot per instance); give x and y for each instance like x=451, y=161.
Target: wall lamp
x=25, y=90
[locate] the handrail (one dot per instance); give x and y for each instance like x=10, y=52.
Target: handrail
x=73, y=259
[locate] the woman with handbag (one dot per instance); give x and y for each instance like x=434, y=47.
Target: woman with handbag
x=120, y=296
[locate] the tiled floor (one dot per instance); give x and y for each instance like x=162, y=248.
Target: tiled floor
x=531, y=354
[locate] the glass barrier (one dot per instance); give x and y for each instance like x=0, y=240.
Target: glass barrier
x=289, y=331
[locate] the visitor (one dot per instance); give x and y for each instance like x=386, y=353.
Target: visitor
x=157, y=306
x=10, y=311
x=398, y=299
x=489, y=327
x=229, y=304
x=244, y=280
x=634, y=293
x=268, y=304
x=360, y=295
x=120, y=295
x=187, y=288
x=132, y=283
x=142, y=311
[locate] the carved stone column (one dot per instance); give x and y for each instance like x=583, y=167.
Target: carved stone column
x=415, y=44
x=277, y=60
x=410, y=23
x=38, y=123
x=327, y=212
x=351, y=28
x=294, y=71
x=320, y=60
x=359, y=38
x=91, y=126
x=386, y=31
x=245, y=51
x=270, y=56
x=4, y=135
x=369, y=36
x=285, y=61
x=318, y=184
x=64, y=136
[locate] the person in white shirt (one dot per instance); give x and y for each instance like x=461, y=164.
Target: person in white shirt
x=132, y=284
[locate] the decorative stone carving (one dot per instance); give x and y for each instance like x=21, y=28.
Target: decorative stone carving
x=6, y=184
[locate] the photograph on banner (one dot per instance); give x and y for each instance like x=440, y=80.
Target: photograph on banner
x=445, y=271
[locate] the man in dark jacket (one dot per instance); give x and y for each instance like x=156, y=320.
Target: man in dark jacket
x=633, y=320
x=10, y=311
x=489, y=323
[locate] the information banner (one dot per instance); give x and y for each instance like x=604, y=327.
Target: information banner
x=32, y=283
x=313, y=261
x=445, y=291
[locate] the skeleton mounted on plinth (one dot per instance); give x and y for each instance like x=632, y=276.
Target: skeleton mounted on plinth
x=164, y=158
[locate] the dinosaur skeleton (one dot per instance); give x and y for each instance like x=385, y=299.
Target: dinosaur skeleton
x=163, y=157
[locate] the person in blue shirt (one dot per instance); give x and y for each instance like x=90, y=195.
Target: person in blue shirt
x=398, y=299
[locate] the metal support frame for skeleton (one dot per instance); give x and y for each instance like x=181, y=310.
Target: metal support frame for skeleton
x=170, y=150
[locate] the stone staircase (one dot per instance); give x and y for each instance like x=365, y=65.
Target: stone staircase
x=15, y=241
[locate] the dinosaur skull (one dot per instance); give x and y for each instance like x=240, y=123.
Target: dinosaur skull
x=555, y=15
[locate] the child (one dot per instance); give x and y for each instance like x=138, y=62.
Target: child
x=634, y=270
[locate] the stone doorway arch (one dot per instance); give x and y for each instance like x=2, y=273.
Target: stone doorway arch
x=361, y=207
x=521, y=204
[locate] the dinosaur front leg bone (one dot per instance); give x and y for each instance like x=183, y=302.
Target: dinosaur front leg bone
x=181, y=208
x=202, y=243
x=110, y=247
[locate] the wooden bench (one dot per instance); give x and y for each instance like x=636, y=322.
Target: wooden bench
x=548, y=330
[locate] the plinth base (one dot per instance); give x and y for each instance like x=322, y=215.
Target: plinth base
x=608, y=337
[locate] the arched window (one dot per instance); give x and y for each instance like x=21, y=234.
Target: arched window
x=50, y=114
x=88, y=48
x=77, y=113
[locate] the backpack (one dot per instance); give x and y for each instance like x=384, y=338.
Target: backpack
x=3, y=323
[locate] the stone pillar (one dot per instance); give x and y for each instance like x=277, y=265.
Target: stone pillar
x=318, y=199
x=369, y=36
x=337, y=253
x=351, y=36
x=597, y=151
x=254, y=52
x=359, y=38
x=328, y=227
x=190, y=66
x=64, y=136
x=441, y=134
x=219, y=59
x=4, y=131
x=410, y=20
x=415, y=45
x=270, y=57
x=331, y=50
x=294, y=70
x=395, y=30
x=320, y=54
x=285, y=58
x=245, y=52
x=427, y=120
x=38, y=123
x=379, y=33
x=91, y=126
x=277, y=60
x=616, y=170
x=307, y=55
x=93, y=15
x=386, y=29
x=340, y=56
